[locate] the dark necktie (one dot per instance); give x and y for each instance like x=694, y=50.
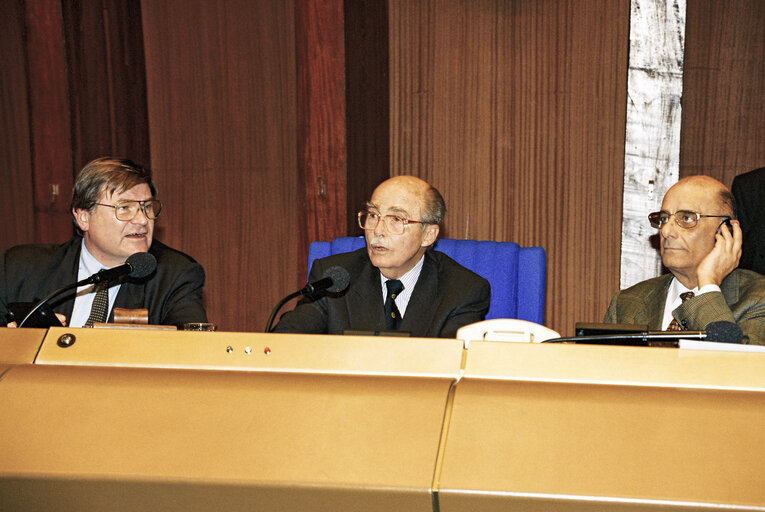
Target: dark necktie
x=392, y=316
x=100, y=305
x=674, y=325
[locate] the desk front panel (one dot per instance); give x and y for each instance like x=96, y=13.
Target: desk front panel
x=263, y=436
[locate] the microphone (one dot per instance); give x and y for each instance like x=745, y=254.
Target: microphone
x=137, y=266
x=334, y=280
x=720, y=332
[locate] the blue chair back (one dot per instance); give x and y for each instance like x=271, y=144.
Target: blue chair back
x=516, y=274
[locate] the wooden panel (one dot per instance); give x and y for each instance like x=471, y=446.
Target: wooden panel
x=16, y=200
x=723, y=89
x=221, y=95
x=572, y=427
x=105, y=64
x=367, y=101
x=516, y=112
x=49, y=121
x=20, y=346
x=305, y=353
x=274, y=441
x=321, y=134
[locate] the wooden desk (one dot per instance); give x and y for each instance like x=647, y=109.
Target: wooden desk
x=162, y=420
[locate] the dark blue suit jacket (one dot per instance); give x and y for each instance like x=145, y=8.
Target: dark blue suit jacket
x=446, y=297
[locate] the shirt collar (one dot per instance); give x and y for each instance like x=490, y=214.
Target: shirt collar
x=89, y=265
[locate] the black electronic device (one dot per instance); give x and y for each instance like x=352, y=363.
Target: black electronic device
x=43, y=317
x=362, y=332
x=639, y=335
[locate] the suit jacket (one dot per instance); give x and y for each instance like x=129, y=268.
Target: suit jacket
x=749, y=191
x=741, y=300
x=446, y=297
x=172, y=294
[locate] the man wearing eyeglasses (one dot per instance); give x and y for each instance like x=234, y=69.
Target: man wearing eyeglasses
x=700, y=243
x=114, y=207
x=396, y=282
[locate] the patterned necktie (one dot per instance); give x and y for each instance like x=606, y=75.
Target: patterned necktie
x=100, y=305
x=674, y=325
x=392, y=316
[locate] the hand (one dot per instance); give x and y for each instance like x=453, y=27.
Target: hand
x=723, y=258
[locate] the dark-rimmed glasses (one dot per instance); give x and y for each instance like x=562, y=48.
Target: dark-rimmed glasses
x=394, y=223
x=127, y=210
x=683, y=218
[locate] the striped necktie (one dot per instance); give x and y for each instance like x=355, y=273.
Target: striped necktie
x=674, y=325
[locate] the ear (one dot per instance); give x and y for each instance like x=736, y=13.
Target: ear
x=431, y=233
x=82, y=218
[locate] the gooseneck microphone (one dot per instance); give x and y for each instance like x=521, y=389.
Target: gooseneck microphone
x=720, y=332
x=137, y=266
x=334, y=280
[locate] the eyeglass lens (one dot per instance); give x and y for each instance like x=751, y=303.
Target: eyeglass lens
x=128, y=210
x=369, y=221
x=683, y=218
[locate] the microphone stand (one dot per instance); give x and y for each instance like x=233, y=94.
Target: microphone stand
x=279, y=306
x=46, y=299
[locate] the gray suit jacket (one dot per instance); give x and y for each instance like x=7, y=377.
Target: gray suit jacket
x=446, y=297
x=172, y=294
x=742, y=301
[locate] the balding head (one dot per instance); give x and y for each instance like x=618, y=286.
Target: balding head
x=719, y=196
x=433, y=207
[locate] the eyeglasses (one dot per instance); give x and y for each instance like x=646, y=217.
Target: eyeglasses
x=395, y=224
x=683, y=218
x=127, y=210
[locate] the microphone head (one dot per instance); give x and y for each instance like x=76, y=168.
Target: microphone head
x=340, y=279
x=724, y=332
x=141, y=264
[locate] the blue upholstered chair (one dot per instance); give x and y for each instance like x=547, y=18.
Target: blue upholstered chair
x=516, y=274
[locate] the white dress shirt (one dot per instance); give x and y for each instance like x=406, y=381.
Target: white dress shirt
x=674, y=300
x=408, y=280
x=83, y=302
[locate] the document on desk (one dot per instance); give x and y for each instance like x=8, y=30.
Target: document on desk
x=713, y=345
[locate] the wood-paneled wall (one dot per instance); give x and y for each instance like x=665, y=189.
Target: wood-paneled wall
x=516, y=112
x=723, y=129
x=221, y=95
x=16, y=197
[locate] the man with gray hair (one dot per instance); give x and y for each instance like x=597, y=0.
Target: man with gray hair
x=396, y=282
x=114, y=206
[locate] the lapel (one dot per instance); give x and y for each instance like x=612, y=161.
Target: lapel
x=362, y=311
x=64, y=273
x=655, y=301
x=730, y=287
x=424, y=300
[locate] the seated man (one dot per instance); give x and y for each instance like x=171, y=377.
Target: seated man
x=401, y=224
x=701, y=247
x=114, y=206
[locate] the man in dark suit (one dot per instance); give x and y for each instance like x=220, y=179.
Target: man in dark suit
x=397, y=282
x=701, y=251
x=114, y=206
x=749, y=191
